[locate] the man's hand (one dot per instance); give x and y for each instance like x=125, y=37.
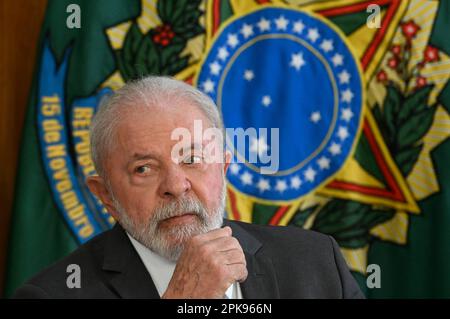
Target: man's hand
x=209, y=264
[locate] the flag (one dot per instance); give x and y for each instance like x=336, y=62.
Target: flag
x=353, y=95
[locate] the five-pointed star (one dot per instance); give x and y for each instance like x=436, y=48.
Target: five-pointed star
x=246, y=178
x=281, y=186
x=247, y=30
x=296, y=182
x=259, y=146
x=337, y=59
x=310, y=174
x=335, y=149
x=232, y=40
x=223, y=53
x=344, y=77
x=342, y=133
x=298, y=26
x=323, y=162
x=347, y=95
x=313, y=34
x=327, y=45
x=263, y=25
x=315, y=117
x=266, y=100
x=346, y=114
x=281, y=23
x=234, y=168
x=263, y=185
x=215, y=68
x=297, y=61
x=208, y=86
x=249, y=75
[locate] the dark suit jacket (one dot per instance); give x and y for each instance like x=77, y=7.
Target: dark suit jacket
x=282, y=262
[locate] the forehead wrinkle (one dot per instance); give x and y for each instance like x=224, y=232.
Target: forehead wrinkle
x=128, y=135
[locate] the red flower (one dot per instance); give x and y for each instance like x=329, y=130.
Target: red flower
x=420, y=81
x=409, y=29
x=382, y=76
x=396, y=49
x=393, y=62
x=163, y=35
x=431, y=54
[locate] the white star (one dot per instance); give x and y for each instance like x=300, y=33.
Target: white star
x=337, y=59
x=347, y=96
x=313, y=34
x=249, y=75
x=298, y=26
x=281, y=23
x=324, y=162
x=347, y=114
x=281, y=186
x=310, y=174
x=335, y=149
x=247, y=30
x=232, y=40
x=297, y=61
x=327, y=45
x=343, y=133
x=259, y=146
x=344, y=77
x=246, y=178
x=263, y=185
x=315, y=117
x=208, y=86
x=234, y=168
x=223, y=53
x=215, y=68
x=295, y=182
x=263, y=25
x=266, y=100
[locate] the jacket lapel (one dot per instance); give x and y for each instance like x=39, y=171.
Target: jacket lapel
x=128, y=277
x=261, y=281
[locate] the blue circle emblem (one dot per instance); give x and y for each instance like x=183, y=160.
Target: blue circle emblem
x=288, y=83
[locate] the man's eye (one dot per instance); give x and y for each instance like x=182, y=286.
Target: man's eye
x=193, y=160
x=142, y=169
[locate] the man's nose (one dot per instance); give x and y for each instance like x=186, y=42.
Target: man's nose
x=175, y=182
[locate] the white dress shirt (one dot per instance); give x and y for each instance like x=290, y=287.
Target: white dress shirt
x=161, y=270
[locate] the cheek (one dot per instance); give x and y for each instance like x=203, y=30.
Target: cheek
x=209, y=186
x=138, y=202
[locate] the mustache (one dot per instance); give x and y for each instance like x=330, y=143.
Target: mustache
x=180, y=207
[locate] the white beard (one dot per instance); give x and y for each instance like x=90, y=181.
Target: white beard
x=152, y=236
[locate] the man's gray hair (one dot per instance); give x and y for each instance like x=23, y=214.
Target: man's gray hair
x=145, y=92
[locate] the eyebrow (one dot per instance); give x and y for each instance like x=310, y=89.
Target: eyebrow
x=148, y=156
x=140, y=156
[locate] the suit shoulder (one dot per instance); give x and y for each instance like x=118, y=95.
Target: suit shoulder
x=307, y=264
x=285, y=235
x=88, y=257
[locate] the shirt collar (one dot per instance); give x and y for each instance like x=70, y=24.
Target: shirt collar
x=161, y=270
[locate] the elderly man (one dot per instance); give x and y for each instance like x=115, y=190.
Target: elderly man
x=171, y=240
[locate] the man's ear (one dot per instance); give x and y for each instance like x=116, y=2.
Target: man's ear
x=97, y=186
x=227, y=158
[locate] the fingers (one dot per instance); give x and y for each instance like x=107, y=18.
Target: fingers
x=225, y=243
x=238, y=272
x=234, y=256
x=235, y=263
x=214, y=234
x=218, y=260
